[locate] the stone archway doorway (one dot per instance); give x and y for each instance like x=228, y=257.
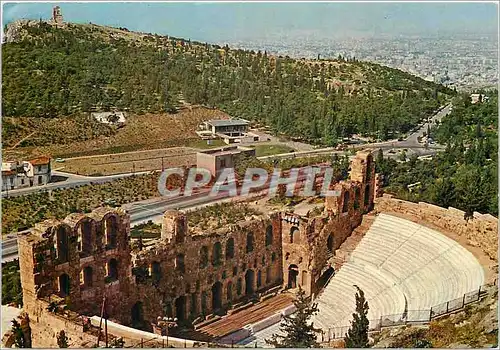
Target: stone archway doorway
x=180, y=308
x=293, y=272
x=249, y=281
x=217, y=296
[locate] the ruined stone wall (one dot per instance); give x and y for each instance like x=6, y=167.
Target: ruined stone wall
x=45, y=325
x=79, y=259
x=185, y=275
x=481, y=231
x=309, y=244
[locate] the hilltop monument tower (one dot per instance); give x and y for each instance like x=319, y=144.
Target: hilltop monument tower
x=56, y=15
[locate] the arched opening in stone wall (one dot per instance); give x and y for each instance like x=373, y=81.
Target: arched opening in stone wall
x=111, y=228
x=230, y=248
x=87, y=276
x=155, y=271
x=194, y=304
x=137, y=315
x=269, y=235
x=204, y=297
x=239, y=286
x=217, y=254
x=367, y=196
x=85, y=237
x=62, y=244
x=216, y=296
x=179, y=235
x=294, y=234
x=268, y=275
x=320, y=283
x=203, y=257
x=293, y=272
x=345, y=202
x=259, y=279
x=112, y=269
x=249, y=242
x=180, y=308
x=304, y=279
x=357, y=198
x=330, y=245
x=64, y=285
x=249, y=280
x=368, y=167
x=229, y=291
x=179, y=263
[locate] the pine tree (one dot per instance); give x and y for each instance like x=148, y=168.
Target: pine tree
x=62, y=339
x=357, y=335
x=19, y=339
x=298, y=330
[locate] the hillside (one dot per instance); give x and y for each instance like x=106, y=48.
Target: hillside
x=51, y=71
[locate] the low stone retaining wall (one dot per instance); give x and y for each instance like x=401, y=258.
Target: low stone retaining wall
x=480, y=231
x=250, y=329
x=137, y=335
x=236, y=336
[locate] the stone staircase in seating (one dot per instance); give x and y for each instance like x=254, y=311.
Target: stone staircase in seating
x=342, y=254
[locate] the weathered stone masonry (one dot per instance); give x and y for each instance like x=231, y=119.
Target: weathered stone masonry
x=186, y=274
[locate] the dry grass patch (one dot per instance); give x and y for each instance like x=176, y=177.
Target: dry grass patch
x=142, y=132
x=120, y=163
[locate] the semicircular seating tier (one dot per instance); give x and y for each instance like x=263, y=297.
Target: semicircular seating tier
x=403, y=268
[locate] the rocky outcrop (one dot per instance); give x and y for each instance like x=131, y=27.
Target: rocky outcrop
x=14, y=30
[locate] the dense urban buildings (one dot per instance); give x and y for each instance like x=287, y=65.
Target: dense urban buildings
x=462, y=62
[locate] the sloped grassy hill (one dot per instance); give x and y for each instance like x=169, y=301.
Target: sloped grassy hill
x=53, y=71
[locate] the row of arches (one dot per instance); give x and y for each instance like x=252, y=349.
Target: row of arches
x=212, y=300
x=217, y=255
x=86, y=237
x=87, y=277
x=357, y=198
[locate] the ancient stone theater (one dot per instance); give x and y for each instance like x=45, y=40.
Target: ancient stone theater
x=87, y=266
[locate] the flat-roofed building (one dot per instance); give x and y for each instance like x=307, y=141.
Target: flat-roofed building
x=229, y=130
x=229, y=127
x=216, y=160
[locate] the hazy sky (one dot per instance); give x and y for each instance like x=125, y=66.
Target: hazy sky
x=233, y=21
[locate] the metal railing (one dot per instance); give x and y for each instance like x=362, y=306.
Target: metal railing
x=411, y=316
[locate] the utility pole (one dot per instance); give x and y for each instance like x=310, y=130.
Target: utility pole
x=106, y=330
x=100, y=323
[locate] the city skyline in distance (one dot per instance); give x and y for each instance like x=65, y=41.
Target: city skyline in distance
x=225, y=21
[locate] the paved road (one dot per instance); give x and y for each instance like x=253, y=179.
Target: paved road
x=72, y=180
x=67, y=180
x=143, y=211
x=154, y=208
x=411, y=142
x=139, y=212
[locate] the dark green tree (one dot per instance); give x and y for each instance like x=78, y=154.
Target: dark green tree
x=298, y=330
x=357, y=335
x=19, y=338
x=62, y=339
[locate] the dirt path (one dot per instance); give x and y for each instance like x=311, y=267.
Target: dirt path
x=23, y=139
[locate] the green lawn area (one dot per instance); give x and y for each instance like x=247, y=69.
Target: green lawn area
x=269, y=150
